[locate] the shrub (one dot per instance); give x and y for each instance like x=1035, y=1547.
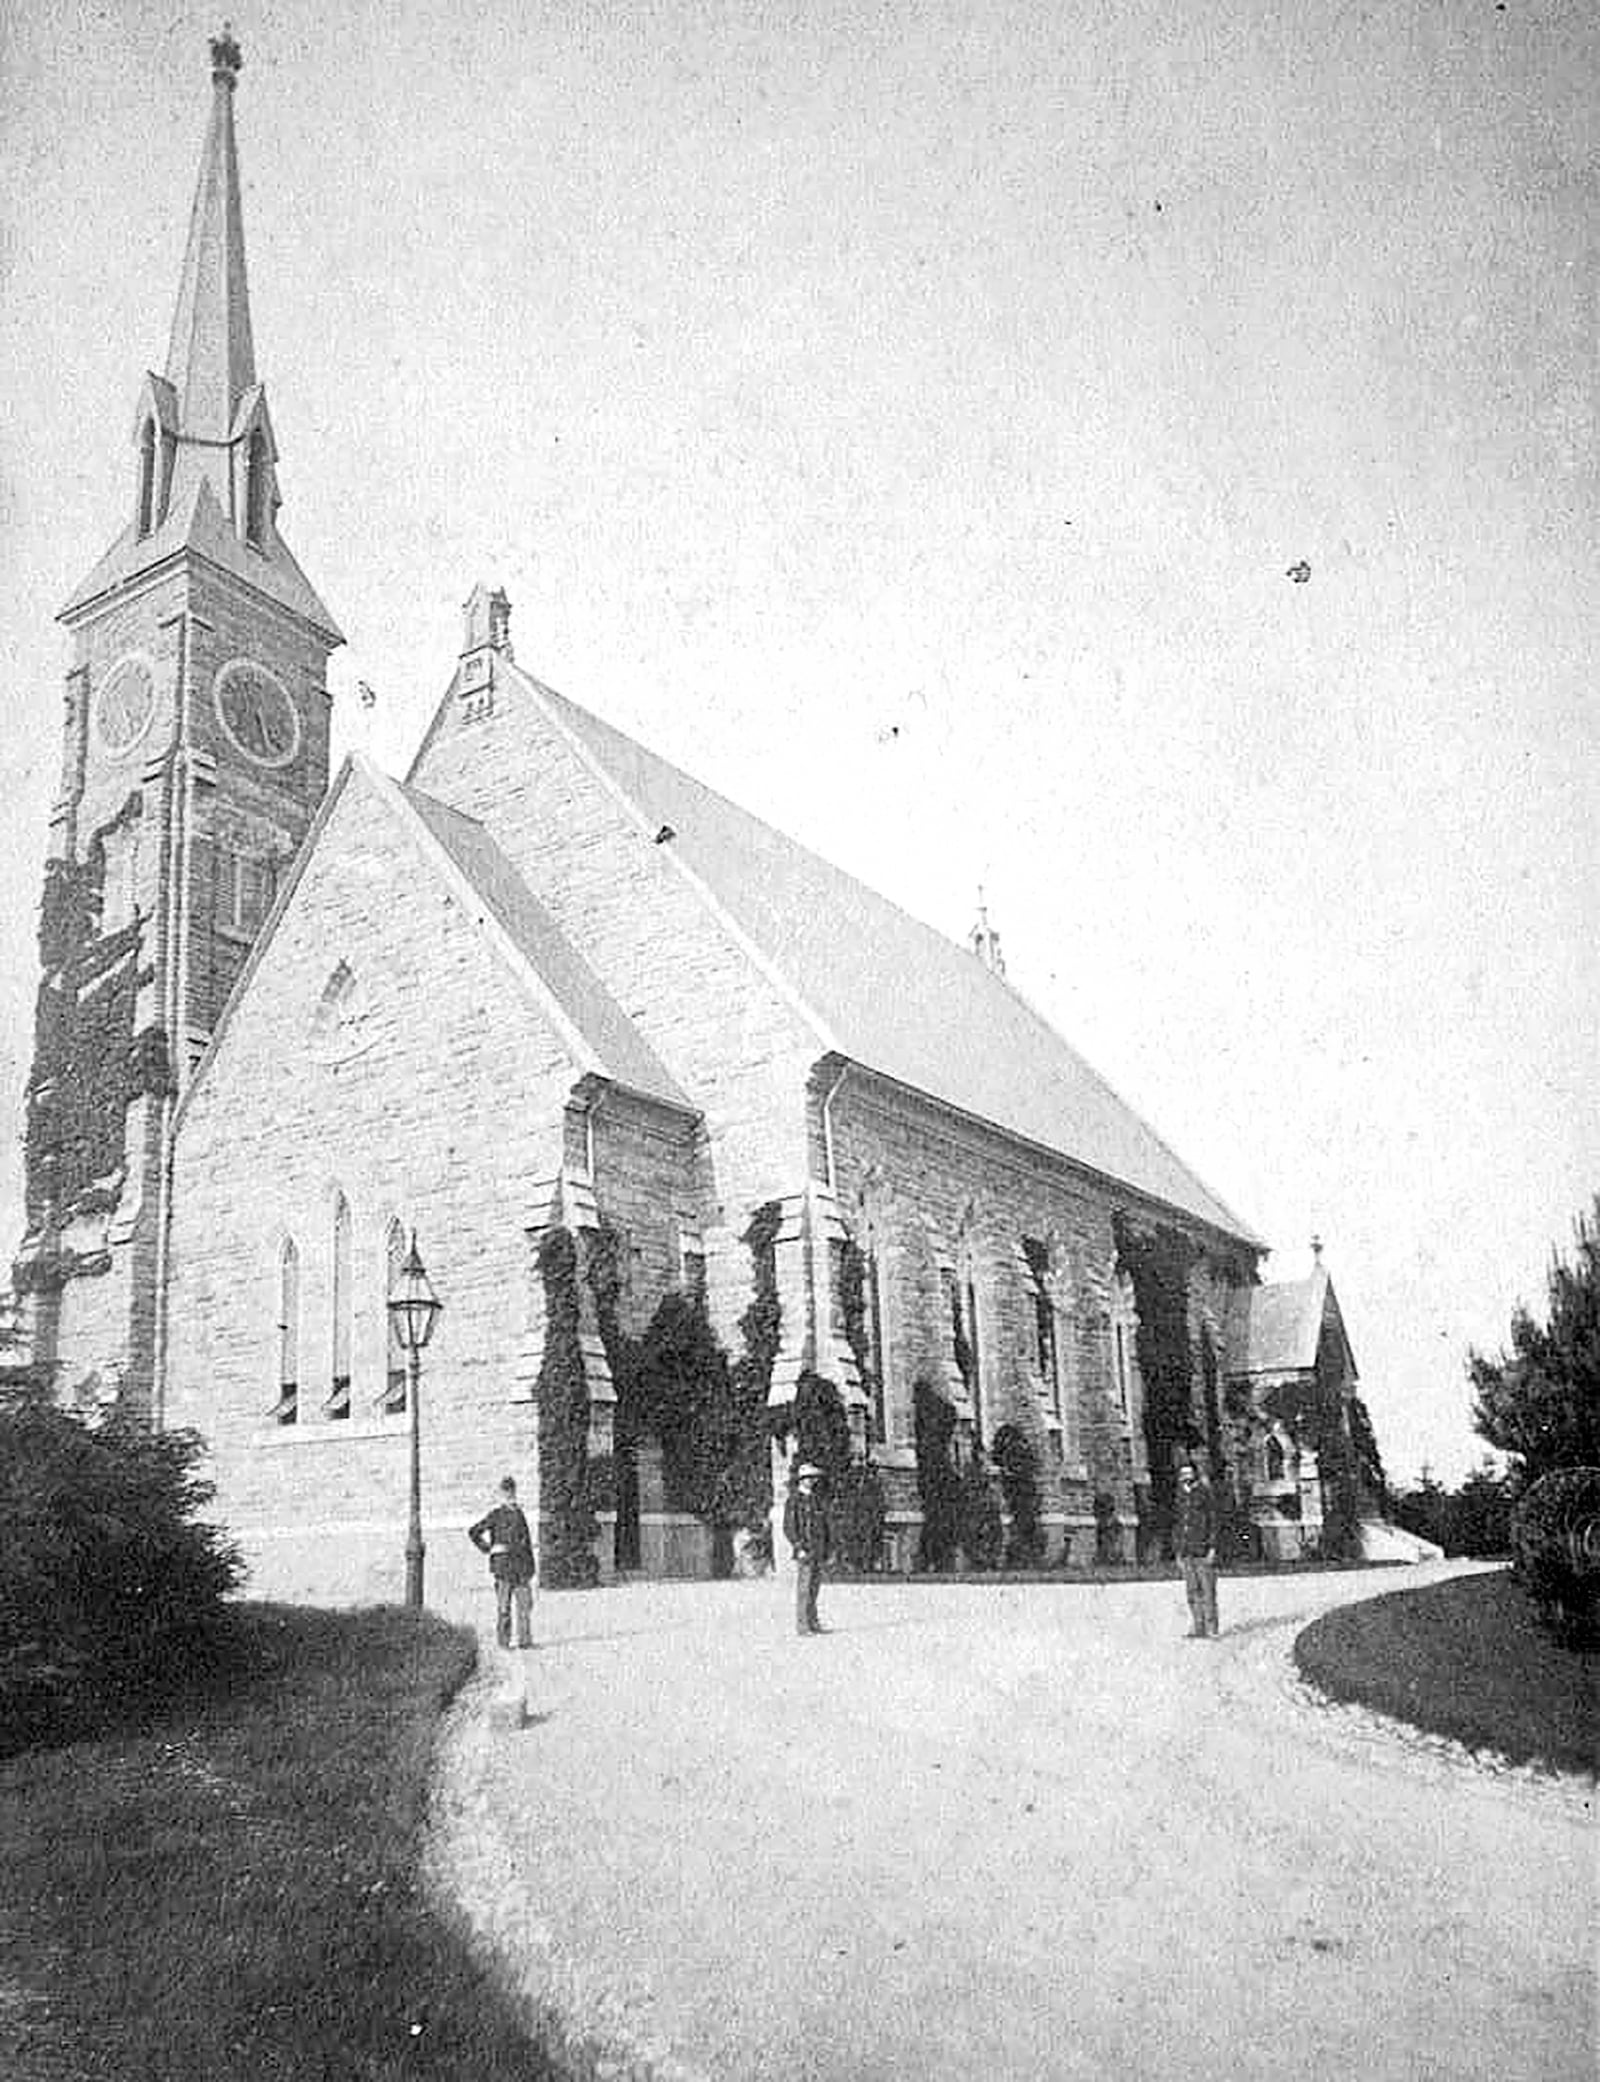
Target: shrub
x=978, y=1520
x=1555, y=1552
x=938, y=1485
x=1017, y=1463
x=111, y=1591
x=856, y=1511
x=1107, y=1532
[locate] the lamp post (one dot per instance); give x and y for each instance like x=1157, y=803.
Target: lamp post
x=414, y=1309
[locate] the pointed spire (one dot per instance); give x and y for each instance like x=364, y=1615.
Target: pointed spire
x=211, y=357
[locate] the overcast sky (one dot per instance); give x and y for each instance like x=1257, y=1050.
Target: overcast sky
x=906, y=417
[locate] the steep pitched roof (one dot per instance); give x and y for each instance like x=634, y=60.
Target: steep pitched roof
x=615, y=1047
x=602, y=1041
x=1285, y=1325
x=885, y=990
x=200, y=526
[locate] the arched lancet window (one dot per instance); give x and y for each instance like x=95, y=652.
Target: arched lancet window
x=287, y=1408
x=1274, y=1459
x=339, y=1397
x=394, y=1391
x=255, y=489
x=147, y=476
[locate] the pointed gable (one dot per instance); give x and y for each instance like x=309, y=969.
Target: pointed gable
x=1286, y=1323
x=456, y=855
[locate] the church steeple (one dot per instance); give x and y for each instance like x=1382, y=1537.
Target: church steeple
x=211, y=359
x=205, y=458
x=194, y=755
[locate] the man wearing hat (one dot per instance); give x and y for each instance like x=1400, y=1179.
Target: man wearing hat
x=502, y=1534
x=805, y=1527
x=1195, y=1544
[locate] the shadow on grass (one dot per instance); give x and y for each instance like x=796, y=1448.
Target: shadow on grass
x=235, y=1889
x=1466, y=1659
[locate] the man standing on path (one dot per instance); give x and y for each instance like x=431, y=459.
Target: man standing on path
x=502, y=1534
x=805, y=1527
x=1194, y=1540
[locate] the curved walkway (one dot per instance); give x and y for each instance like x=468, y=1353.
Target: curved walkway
x=991, y=1831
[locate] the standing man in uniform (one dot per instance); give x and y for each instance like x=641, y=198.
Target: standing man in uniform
x=502, y=1534
x=805, y=1527
x=1195, y=1543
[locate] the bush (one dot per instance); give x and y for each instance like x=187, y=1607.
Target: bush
x=111, y=1593
x=938, y=1485
x=1107, y=1532
x=1017, y=1463
x=856, y=1512
x=978, y=1514
x=1555, y=1552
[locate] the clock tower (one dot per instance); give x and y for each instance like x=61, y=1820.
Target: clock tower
x=195, y=756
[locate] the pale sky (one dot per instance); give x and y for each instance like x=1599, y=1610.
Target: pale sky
x=905, y=416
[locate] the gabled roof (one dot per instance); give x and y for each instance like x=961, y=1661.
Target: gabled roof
x=1285, y=1323
x=614, y=1046
x=601, y=1040
x=883, y=989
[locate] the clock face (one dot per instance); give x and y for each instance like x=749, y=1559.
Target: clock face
x=124, y=705
x=257, y=714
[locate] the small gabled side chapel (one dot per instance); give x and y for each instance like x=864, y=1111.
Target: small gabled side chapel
x=614, y=1053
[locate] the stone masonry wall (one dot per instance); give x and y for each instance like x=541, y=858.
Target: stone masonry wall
x=940, y=1194
x=436, y=1098
x=733, y=1042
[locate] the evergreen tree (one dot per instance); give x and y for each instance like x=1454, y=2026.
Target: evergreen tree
x=1541, y=1401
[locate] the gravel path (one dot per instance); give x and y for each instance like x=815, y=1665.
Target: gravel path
x=989, y=1831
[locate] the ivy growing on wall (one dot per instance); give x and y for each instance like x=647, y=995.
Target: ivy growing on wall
x=1159, y=1262
x=938, y=1484
x=1016, y=1460
x=675, y=1383
x=567, y=1525
x=89, y=1065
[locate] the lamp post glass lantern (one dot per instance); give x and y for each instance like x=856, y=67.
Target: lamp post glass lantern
x=414, y=1309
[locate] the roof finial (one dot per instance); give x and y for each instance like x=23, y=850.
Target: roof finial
x=226, y=58
x=985, y=941
x=1316, y=1248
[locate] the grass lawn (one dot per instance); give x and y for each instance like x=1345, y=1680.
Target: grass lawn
x=1465, y=1658
x=233, y=1890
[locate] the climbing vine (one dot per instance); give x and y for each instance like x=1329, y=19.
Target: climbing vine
x=1159, y=1263
x=567, y=1526
x=89, y=1065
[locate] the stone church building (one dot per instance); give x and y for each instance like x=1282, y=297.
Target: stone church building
x=548, y=984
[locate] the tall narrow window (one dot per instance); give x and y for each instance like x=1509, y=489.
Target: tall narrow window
x=964, y=1342
x=1274, y=1457
x=880, y=1356
x=147, y=477
x=1046, y=1348
x=255, y=523
x=286, y=1410
x=394, y=1388
x=338, y=1404
x=1123, y=1393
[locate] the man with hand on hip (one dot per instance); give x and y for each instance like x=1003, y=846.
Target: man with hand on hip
x=502, y=1534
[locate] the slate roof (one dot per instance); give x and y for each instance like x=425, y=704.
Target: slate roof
x=1284, y=1325
x=887, y=991
x=199, y=524
x=618, y=1050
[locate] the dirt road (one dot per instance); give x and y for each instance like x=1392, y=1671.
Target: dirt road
x=1032, y=1832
